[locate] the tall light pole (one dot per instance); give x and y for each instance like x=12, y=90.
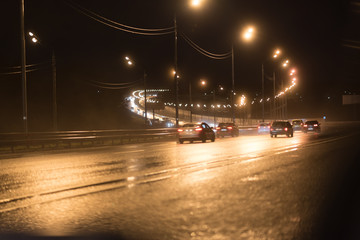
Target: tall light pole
x=247, y=35
x=23, y=68
x=232, y=84
x=176, y=80
x=130, y=63
x=36, y=40
x=53, y=65
x=262, y=93
x=190, y=101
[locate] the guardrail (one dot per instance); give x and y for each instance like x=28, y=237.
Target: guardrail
x=12, y=142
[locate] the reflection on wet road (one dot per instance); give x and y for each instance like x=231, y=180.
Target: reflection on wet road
x=249, y=187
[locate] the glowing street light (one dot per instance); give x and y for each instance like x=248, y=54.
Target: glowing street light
x=286, y=63
x=248, y=34
x=276, y=53
x=130, y=63
x=196, y=3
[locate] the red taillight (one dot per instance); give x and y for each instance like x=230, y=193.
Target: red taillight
x=315, y=125
x=271, y=129
x=268, y=126
x=305, y=125
x=258, y=126
x=217, y=128
x=180, y=130
x=230, y=128
x=198, y=129
x=285, y=129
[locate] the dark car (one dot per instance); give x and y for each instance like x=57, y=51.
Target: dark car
x=281, y=128
x=195, y=132
x=263, y=128
x=227, y=129
x=297, y=124
x=311, y=126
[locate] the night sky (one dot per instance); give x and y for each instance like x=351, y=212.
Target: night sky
x=320, y=38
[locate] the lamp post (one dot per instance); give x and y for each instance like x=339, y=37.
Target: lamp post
x=247, y=35
x=176, y=80
x=130, y=63
x=190, y=101
x=23, y=68
x=35, y=39
x=193, y=4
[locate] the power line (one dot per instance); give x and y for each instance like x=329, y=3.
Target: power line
x=119, y=26
x=204, y=52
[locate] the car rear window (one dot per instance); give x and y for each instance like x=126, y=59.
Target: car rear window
x=296, y=122
x=312, y=122
x=188, y=125
x=279, y=124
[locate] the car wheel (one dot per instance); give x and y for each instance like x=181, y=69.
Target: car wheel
x=213, y=139
x=203, y=140
x=181, y=141
x=271, y=135
x=275, y=135
x=292, y=134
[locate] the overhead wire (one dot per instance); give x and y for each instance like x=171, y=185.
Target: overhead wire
x=112, y=87
x=204, y=52
x=119, y=26
x=29, y=68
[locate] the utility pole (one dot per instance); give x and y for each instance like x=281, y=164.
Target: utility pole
x=274, y=104
x=176, y=74
x=53, y=65
x=145, y=98
x=262, y=92
x=190, y=101
x=214, y=109
x=23, y=68
x=232, y=84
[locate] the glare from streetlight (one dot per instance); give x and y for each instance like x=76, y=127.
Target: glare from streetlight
x=248, y=33
x=203, y=82
x=277, y=52
x=127, y=58
x=130, y=62
x=285, y=64
x=196, y=3
x=34, y=40
x=31, y=34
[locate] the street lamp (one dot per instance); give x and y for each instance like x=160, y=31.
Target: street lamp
x=194, y=4
x=202, y=83
x=23, y=67
x=35, y=39
x=247, y=35
x=131, y=63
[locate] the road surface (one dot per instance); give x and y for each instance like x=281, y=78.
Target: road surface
x=248, y=187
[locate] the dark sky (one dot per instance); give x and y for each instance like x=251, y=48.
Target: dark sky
x=320, y=38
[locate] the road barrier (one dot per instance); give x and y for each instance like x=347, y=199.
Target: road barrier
x=17, y=142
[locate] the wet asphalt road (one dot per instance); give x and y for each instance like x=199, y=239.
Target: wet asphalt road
x=249, y=187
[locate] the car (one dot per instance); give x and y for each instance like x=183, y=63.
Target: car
x=263, y=127
x=281, y=128
x=297, y=124
x=195, y=132
x=312, y=126
x=227, y=129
